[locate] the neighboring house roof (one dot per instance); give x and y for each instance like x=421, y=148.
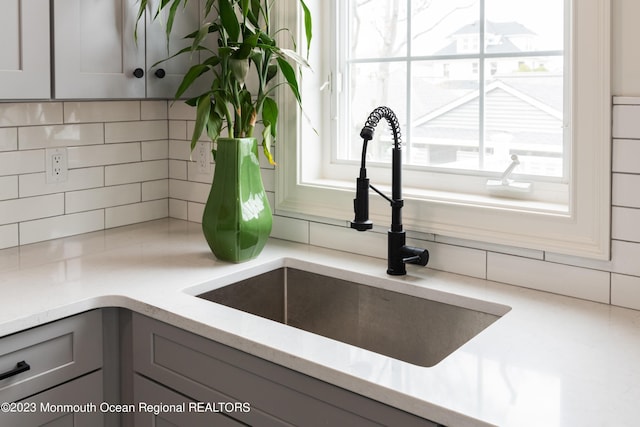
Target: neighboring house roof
x=501, y=44
x=499, y=28
x=508, y=108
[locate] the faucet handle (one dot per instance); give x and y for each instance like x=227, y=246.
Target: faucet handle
x=416, y=255
x=361, y=221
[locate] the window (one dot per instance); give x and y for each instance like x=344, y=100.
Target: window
x=473, y=82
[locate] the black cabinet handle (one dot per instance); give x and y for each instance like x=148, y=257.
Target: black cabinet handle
x=160, y=73
x=20, y=367
x=138, y=73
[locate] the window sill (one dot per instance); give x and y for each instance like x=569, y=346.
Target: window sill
x=517, y=223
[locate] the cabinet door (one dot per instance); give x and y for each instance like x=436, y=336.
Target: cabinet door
x=187, y=20
x=24, y=51
x=55, y=407
x=163, y=407
x=96, y=54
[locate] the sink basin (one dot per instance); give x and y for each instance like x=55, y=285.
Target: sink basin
x=410, y=328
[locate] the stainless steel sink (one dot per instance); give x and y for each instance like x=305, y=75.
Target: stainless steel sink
x=413, y=329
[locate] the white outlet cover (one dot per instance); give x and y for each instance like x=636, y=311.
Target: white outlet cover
x=203, y=156
x=56, y=166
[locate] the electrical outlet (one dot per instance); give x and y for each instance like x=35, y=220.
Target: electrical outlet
x=56, y=165
x=203, y=156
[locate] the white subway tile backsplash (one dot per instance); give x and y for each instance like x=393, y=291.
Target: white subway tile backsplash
x=549, y=277
x=135, y=131
x=625, y=190
x=625, y=121
x=138, y=212
x=181, y=111
x=60, y=135
x=154, y=190
x=625, y=224
x=17, y=210
x=136, y=172
x=455, y=259
x=98, y=155
x=491, y=247
x=30, y=114
x=148, y=174
x=8, y=236
x=8, y=139
x=293, y=229
x=178, y=209
x=594, y=264
x=269, y=179
x=17, y=162
x=154, y=110
x=189, y=191
x=8, y=187
x=625, y=291
x=101, y=111
x=625, y=257
x=179, y=150
x=155, y=150
x=626, y=153
x=60, y=226
x=35, y=184
x=348, y=240
x=178, y=130
x=178, y=169
x=195, y=211
x=32, y=210
x=103, y=197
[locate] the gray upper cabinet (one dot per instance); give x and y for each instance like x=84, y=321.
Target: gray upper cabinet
x=24, y=51
x=98, y=57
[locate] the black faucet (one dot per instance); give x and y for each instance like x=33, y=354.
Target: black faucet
x=399, y=253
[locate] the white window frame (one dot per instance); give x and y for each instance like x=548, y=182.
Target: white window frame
x=581, y=230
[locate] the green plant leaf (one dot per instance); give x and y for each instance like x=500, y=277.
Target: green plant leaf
x=171, y=17
x=270, y=114
x=214, y=125
x=141, y=9
x=202, y=118
x=290, y=75
x=307, y=25
x=188, y=79
x=272, y=70
x=240, y=69
x=288, y=53
x=266, y=143
x=244, y=5
x=246, y=48
x=229, y=20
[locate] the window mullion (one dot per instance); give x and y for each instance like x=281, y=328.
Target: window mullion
x=407, y=136
x=481, y=88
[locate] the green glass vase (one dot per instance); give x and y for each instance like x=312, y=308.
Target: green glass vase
x=237, y=217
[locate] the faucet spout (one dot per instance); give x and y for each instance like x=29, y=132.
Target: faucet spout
x=399, y=253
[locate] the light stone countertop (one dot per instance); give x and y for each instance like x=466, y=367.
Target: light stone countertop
x=551, y=360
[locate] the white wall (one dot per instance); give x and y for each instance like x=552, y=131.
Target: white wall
x=626, y=54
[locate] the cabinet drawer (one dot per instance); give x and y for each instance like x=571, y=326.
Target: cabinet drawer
x=57, y=406
x=150, y=393
x=55, y=352
x=211, y=372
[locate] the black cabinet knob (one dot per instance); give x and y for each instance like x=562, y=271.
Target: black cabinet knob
x=160, y=73
x=138, y=73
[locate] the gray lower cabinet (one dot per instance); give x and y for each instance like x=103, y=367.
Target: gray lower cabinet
x=243, y=387
x=56, y=364
x=73, y=404
x=158, y=406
